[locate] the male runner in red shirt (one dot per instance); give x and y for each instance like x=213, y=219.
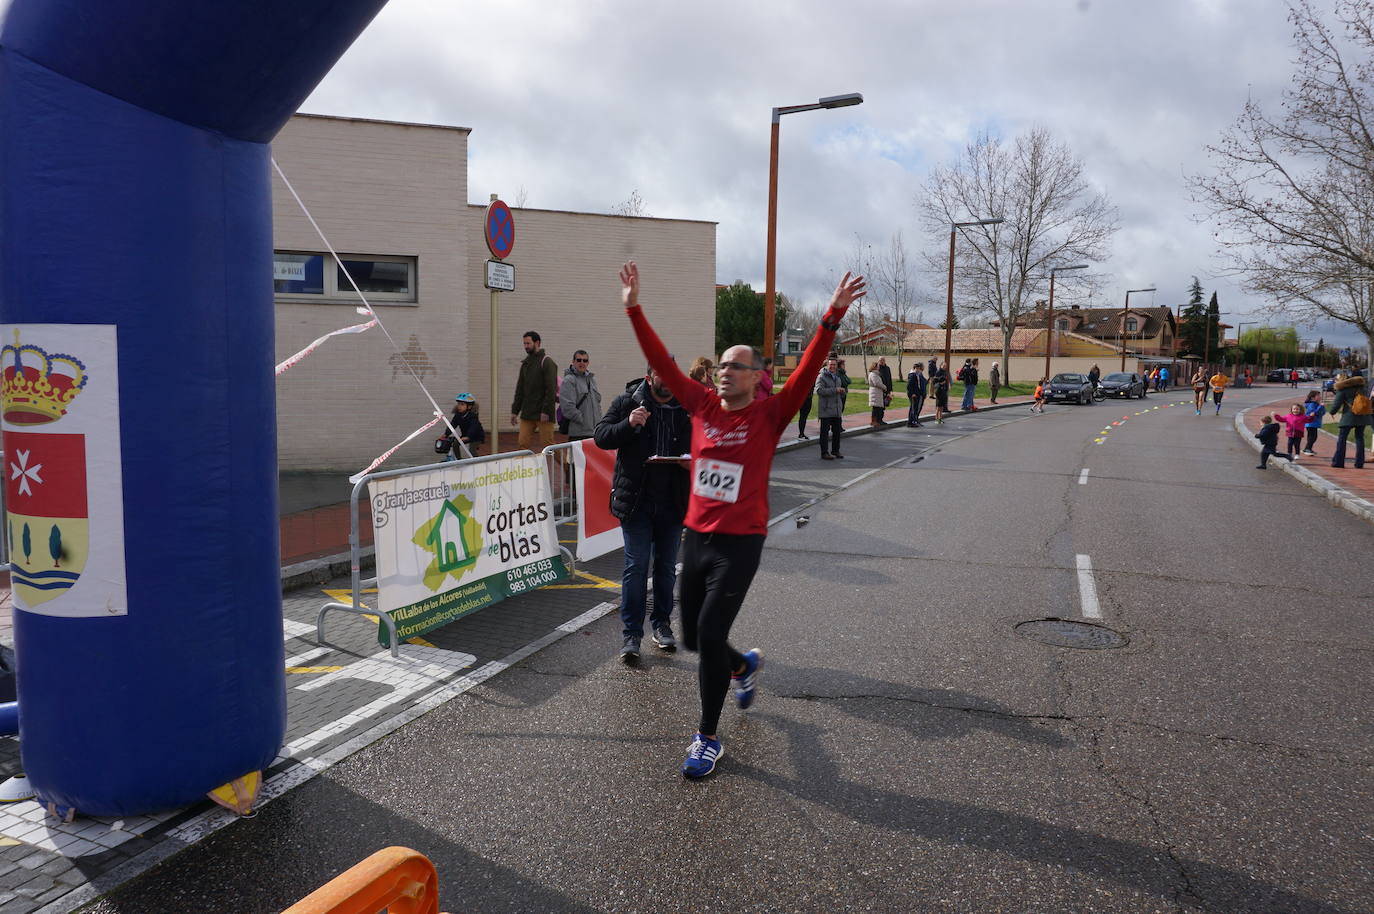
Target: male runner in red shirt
x=734, y=438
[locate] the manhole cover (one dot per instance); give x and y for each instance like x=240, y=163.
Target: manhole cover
x=1068, y=633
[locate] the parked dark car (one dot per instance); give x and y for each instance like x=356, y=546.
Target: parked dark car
x=1123, y=384
x=1279, y=375
x=1070, y=387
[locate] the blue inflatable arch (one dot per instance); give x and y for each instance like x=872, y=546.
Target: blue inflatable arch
x=136, y=231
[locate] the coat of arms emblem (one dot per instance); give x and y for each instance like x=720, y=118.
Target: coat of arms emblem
x=47, y=516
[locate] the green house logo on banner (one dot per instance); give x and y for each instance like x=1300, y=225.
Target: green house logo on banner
x=454, y=538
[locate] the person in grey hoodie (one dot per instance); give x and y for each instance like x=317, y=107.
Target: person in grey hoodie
x=1347, y=390
x=578, y=398
x=830, y=393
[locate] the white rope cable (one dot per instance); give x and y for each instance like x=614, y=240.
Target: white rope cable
x=457, y=438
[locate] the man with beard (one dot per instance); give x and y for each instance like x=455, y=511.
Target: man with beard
x=643, y=426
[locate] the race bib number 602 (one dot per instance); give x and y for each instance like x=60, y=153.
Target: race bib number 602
x=718, y=480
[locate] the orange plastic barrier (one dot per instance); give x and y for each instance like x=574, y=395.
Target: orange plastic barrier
x=396, y=879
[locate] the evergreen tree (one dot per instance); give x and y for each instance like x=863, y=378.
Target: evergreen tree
x=739, y=316
x=1213, y=326
x=27, y=541
x=55, y=546
x=1192, y=326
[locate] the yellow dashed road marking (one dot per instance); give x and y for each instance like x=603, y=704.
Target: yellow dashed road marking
x=313, y=669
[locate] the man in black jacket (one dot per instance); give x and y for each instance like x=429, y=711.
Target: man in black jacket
x=916, y=393
x=650, y=498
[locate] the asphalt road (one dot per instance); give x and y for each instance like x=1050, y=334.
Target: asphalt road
x=910, y=751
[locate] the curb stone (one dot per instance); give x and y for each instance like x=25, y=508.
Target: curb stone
x=324, y=569
x=1334, y=493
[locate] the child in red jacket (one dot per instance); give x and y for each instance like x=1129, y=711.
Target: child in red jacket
x=1294, y=423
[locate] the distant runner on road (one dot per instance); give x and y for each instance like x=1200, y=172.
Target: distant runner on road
x=1218, y=382
x=734, y=438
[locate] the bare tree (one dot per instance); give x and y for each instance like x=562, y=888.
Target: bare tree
x=521, y=196
x=633, y=206
x=1293, y=193
x=859, y=261
x=1052, y=215
x=892, y=277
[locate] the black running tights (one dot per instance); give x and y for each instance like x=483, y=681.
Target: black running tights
x=717, y=569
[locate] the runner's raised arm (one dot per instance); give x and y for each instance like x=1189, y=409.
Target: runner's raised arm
x=688, y=392
x=849, y=290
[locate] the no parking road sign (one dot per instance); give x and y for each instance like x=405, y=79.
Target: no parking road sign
x=500, y=230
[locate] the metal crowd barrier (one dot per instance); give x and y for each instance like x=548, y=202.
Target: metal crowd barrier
x=357, y=583
x=563, y=483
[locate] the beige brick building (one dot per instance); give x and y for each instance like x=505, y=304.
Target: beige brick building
x=393, y=200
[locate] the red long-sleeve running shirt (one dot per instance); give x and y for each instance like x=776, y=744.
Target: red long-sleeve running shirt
x=732, y=450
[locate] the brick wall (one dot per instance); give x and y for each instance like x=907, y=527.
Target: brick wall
x=568, y=290
x=374, y=188
x=401, y=189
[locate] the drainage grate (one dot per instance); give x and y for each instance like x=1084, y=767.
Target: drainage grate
x=1068, y=633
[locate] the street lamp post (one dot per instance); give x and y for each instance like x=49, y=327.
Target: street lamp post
x=949, y=299
x=770, y=286
x=1124, y=308
x=1049, y=316
x=1240, y=334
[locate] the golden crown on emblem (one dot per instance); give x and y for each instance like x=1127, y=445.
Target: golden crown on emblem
x=35, y=386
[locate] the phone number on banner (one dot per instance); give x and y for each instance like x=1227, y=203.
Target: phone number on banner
x=536, y=574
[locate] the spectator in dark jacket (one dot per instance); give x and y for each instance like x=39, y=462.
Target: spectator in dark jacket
x=468, y=425
x=916, y=393
x=536, y=396
x=1347, y=389
x=650, y=498
x=1268, y=436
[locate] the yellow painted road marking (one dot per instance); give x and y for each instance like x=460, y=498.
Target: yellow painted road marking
x=313, y=669
x=598, y=583
x=345, y=594
x=420, y=641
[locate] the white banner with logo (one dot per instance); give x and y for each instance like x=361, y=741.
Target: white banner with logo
x=456, y=538
x=64, y=490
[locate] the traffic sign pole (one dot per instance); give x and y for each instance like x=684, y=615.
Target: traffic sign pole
x=499, y=229
x=495, y=361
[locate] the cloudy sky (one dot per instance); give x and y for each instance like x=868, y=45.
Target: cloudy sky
x=576, y=104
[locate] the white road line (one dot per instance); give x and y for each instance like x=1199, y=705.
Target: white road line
x=315, y=653
x=1087, y=590
x=1083, y=476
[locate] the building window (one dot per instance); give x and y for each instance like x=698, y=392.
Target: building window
x=297, y=274
x=310, y=276
x=1061, y=325
x=1130, y=325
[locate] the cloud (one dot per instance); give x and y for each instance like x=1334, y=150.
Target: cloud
x=580, y=104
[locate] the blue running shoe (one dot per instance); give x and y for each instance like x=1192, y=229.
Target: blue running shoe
x=747, y=683
x=701, y=757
